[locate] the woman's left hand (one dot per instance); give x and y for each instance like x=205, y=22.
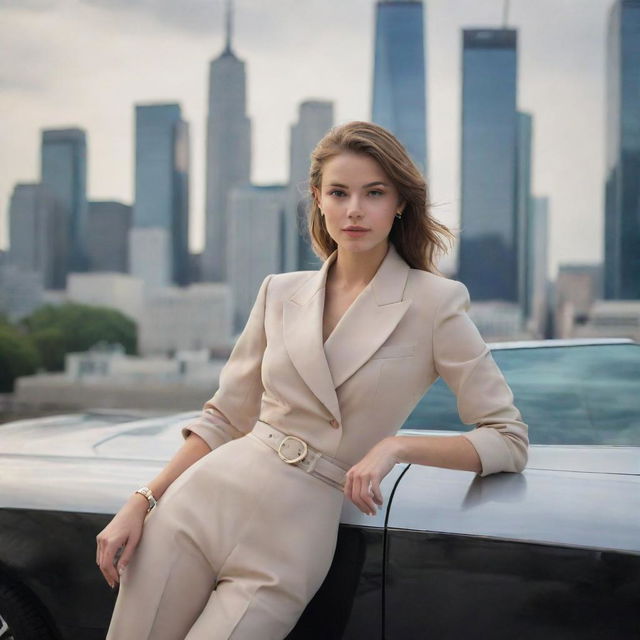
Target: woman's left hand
x=362, y=483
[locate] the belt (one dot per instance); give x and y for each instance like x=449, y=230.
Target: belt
x=294, y=450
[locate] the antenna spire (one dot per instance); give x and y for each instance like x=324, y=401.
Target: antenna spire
x=228, y=17
x=505, y=14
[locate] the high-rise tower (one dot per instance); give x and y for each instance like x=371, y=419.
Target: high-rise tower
x=622, y=193
x=315, y=118
x=399, y=78
x=158, y=242
x=228, y=161
x=490, y=258
x=64, y=171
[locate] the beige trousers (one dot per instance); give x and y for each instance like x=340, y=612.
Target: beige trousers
x=236, y=548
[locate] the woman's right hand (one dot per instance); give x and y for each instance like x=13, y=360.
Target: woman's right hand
x=125, y=529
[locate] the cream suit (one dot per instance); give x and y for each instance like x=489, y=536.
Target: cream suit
x=241, y=541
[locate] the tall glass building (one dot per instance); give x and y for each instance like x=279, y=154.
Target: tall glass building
x=228, y=152
x=399, y=78
x=162, y=181
x=64, y=170
x=622, y=191
x=490, y=238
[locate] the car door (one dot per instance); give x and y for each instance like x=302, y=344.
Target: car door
x=553, y=552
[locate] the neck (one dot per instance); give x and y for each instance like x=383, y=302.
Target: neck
x=355, y=269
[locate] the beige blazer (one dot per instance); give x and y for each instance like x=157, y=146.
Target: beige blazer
x=405, y=328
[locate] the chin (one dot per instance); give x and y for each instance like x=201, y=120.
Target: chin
x=358, y=246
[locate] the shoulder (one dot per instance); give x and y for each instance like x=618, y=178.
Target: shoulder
x=436, y=290
x=281, y=284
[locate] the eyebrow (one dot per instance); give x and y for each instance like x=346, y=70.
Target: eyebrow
x=370, y=184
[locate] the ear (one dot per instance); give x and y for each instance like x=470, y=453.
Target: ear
x=316, y=194
x=401, y=205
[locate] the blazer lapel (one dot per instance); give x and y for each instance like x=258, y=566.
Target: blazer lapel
x=366, y=324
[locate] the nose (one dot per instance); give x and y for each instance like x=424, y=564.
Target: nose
x=353, y=206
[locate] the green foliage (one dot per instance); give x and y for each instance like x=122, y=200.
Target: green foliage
x=60, y=329
x=50, y=344
x=18, y=356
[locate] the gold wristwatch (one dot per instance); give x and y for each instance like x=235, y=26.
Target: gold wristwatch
x=146, y=492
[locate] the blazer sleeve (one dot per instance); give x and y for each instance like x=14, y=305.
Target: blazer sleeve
x=466, y=364
x=234, y=408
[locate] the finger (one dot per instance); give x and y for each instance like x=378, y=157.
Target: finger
x=107, y=564
x=129, y=548
x=377, y=494
x=358, y=494
x=354, y=495
x=367, y=496
x=98, y=551
x=348, y=486
x=104, y=575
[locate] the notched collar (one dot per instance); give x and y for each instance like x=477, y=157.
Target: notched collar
x=362, y=329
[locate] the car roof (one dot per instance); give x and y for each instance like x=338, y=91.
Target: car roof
x=558, y=342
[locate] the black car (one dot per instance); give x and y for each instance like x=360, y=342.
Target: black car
x=553, y=552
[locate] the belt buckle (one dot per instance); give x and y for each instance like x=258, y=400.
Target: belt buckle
x=298, y=458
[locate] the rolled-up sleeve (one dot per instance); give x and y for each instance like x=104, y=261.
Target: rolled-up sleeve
x=234, y=408
x=484, y=398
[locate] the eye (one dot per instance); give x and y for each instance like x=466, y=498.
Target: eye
x=335, y=191
x=377, y=191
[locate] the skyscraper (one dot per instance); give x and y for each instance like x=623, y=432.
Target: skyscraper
x=315, y=118
x=64, y=171
x=489, y=262
x=399, y=78
x=228, y=161
x=159, y=238
x=109, y=226
x=622, y=191
x=256, y=214
x=38, y=234
x=524, y=208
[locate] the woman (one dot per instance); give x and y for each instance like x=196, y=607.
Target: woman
x=326, y=370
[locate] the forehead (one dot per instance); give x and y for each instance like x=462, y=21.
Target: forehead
x=352, y=169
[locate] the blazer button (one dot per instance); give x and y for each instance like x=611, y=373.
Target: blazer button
x=334, y=423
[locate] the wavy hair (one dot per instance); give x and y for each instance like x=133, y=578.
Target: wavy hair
x=418, y=237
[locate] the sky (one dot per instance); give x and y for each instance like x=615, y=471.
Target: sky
x=86, y=63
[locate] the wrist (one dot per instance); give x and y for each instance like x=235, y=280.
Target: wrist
x=400, y=448
x=397, y=446
x=145, y=497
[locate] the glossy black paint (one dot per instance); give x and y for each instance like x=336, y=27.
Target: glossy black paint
x=348, y=604
x=53, y=555
x=450, y=587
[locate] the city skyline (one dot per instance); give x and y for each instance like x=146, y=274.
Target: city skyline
x=568, y=152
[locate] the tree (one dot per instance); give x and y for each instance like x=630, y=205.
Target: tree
x=18, y=357
x=72, y=327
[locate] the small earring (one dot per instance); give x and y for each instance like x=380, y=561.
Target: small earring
x=399, y=214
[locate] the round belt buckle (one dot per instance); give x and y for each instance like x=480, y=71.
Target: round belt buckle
x=297, y=458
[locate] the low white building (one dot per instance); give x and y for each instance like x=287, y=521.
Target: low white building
x=106, y=377
x=196, y=317
x=108, y=289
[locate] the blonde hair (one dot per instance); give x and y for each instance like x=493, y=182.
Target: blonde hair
x=418, y=237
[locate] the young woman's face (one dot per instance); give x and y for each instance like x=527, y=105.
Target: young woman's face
x=356, y=191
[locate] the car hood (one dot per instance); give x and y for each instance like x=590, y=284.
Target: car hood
x=94, y=434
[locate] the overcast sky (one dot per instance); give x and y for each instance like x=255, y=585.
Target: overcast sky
x=86, y=63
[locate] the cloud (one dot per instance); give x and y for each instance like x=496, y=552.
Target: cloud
x=29, y=5
x=200, y=16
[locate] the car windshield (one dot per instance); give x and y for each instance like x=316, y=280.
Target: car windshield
x=582, y=394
